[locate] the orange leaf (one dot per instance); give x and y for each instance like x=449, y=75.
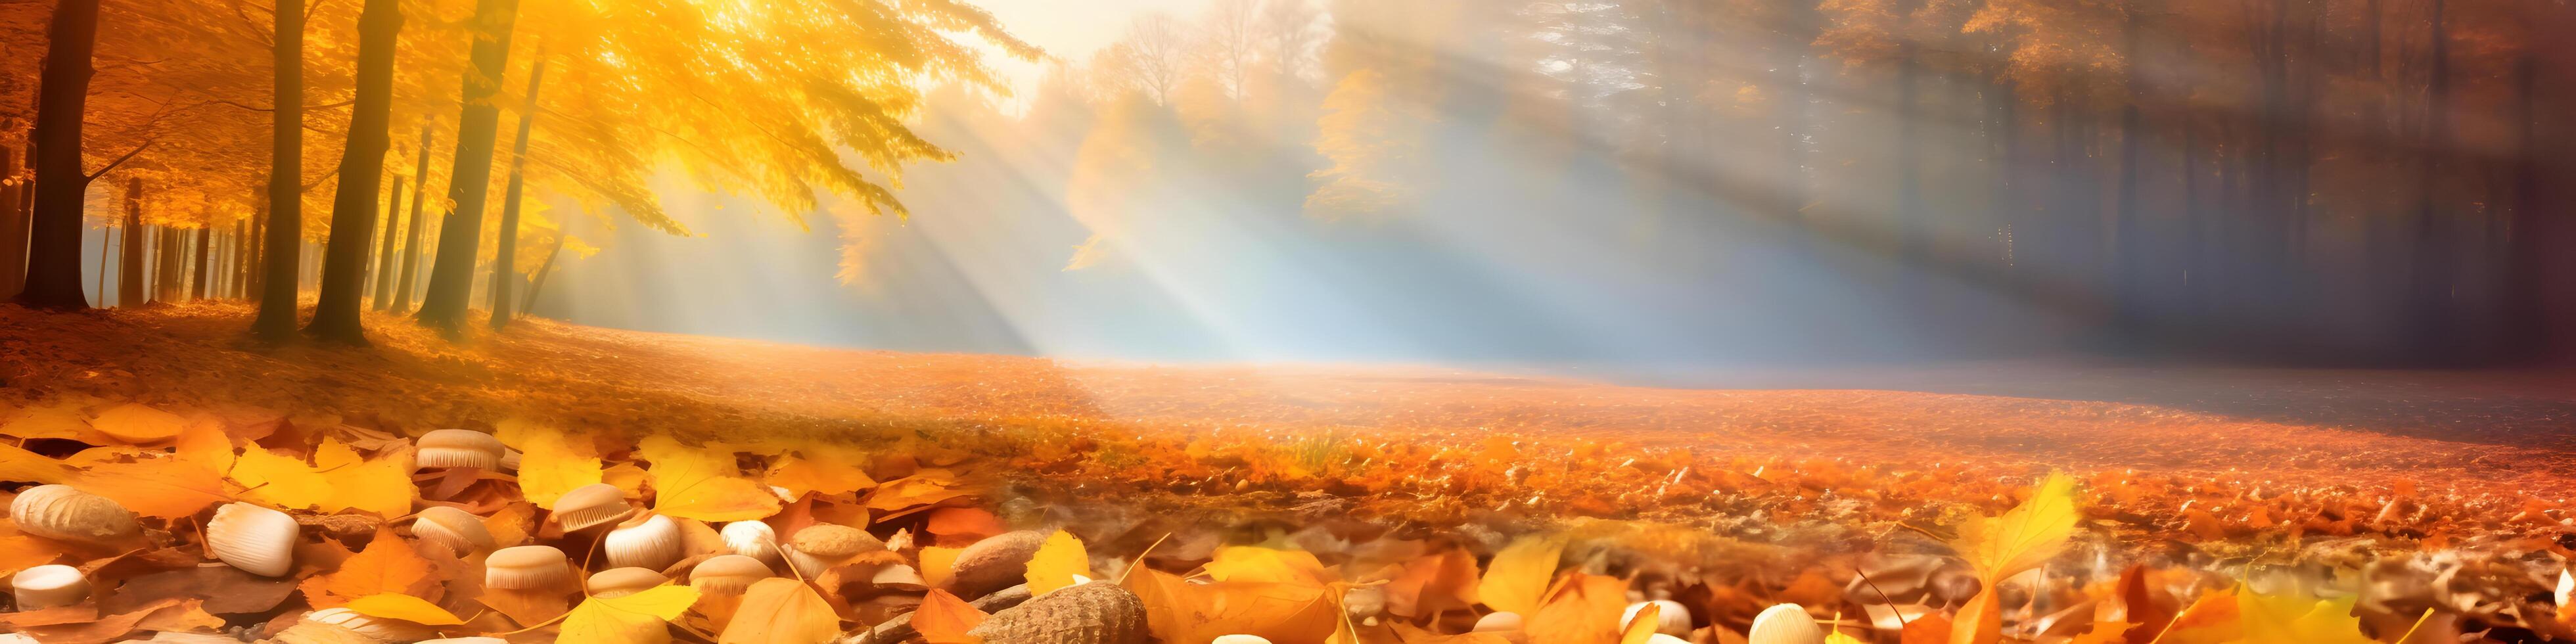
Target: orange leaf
x=968, y=524
x=1641, y=629
x=134, y=423
x=938, y=565
x=387, y=566
x=944, y=619
x=778, y=609
x=163, y=488
x=1056, y=563
x=1584, y=609
x=30, y=467
x=1433, y=584
x=1931, y=628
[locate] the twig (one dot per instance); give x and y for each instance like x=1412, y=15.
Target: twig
x=1882, y=596
x=899, y=627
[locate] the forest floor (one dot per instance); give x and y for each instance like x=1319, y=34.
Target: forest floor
x=2201, y=468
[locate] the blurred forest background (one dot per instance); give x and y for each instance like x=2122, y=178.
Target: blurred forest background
x=2383, y=182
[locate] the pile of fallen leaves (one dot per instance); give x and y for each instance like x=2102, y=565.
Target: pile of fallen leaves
x=130, y=520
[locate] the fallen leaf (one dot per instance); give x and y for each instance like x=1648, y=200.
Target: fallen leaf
x=640, y=618
x=403, y=607
x=382, y=486
x=548, y=466
x=2001, y=546
x=701, y=484
x=280, y=480
x=1583, y=610
x=778, y=609
x=165, y=488
x=387, y=566
x=30, y=467
x=138, y=424
x=1056, y=563
x=963, y=524
x=60, y=419
x=1641, y=628
x=944, y=619
x=938, y=565
x=1433, y=584
x=819, y=470
x=1517, y=579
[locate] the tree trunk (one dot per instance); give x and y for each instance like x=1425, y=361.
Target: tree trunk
x=205, y=262
x=242, y=253
x=502, y=272
x=53, y=258
x=404, y=284
x=285, y=178
x=2429, y=284
x=129, y=259
x=543, y=270
x=362, y=169
x=385, y=249
x=167, y=281
x=451, y=276
x=13, y=226
x=106, y=239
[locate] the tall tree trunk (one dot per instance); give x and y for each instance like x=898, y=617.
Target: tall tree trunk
x=205, y=268
x=2429, y=307
x=404, y=284
x=242, y=253
x=167, y=281
x=107, y=237
x=53, y=257
x=502, y=273
x=129, y=260
x=385, y=250
x=547, y=268
x=2128, y=261
x=362, y=169
x=13, y=226
x=451, y=277
x=285, y=178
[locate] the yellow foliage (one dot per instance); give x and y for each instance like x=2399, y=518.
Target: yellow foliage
x=135, y=423
x=30, y=467
x=640, y=618
x=387, y=565
x=779, y=609
x=164, y=488
x=1999, y=547
x=403, y=607
x=548, y=466
x=695, y=483
x=938, y=565
x=1517, y=578
x=1057, y=561
x=281, y=480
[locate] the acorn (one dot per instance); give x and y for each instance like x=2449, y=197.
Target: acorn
x=997, y=562
x=48, y=586
x=752, y=539
x=1784, y=624
x=457, y=448
x=620, y=582
x=461, y=531
x=527, y=568
x=1080, y=614
x=727, y=574
x=646, y=541
x=824, y=545
x=899, y=577
x=379, y=628
x=1671, y=617
x=66, y=513
x=592, y=505
x=258, y=540
x=1506, y=624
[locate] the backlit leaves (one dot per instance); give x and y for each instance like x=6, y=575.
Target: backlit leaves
x=1517, y=580
x=640, y=618
x=944, y=619
x=548, y=465
x=1057, y=562
x=701, y=484
x=780, y=609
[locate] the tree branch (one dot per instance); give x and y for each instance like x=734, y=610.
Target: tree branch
x=111, y=165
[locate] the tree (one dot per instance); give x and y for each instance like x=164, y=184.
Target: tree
x=362, y=165
x=53, y=258
x=405, y=283
x=503, y=274
x=450, y=278
x=279, y=275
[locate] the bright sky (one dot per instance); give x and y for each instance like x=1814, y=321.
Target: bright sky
x=1071, y=29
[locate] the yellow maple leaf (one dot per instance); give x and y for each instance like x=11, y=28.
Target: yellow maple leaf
x=1999, y=547
x=280, y=480
x=208, y=444
x=820, y=471
x=61, y=419
x=1267, y=565
x=403, y=607
x=702, y=484
x=548, y=466
x=1582, y=610
x=779, y=609
x=387, y=565
x=2297, y=617
x=164, y=488
x=30, y=467
x=640, y=618
x=1516, y=580
x=1057, y=561
x=333, y=454
x=382, y=486
x=136, y=423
